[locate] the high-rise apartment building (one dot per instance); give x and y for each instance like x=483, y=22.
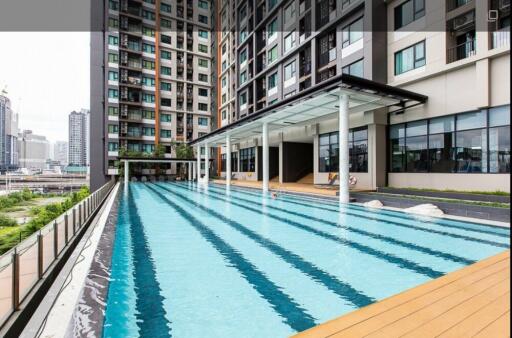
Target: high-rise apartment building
x=8, y=135
x=60, y=152
x=151, y=78
x=456, y=53
x=78, y=143
x=34, y=150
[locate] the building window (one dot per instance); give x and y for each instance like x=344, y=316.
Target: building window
x=148, y=131
x=224, y=82
x=165, y=86
x=352, y=33
x=113, y=40
x=165, y=55
x=202, y=106
x=289, y=13
x=203, y=77
x=165, y=8
x=408, y=12
x=247, y=160
x=165, y=118
x=272, y=81
x=243, y=77
x=113, y=58
x=203, y=4
x=148, y=31
x=147, y=48
x=234, y=161
x=148, y=148
x=113, y=146
x=149, y=98
x=203, y=19
x=289, y=71
x=289, y=42
x=148, y=114
x=148, y=64
x=165, y=70
x=499, y=139
x=410, y=58
x=113, y=111
x=113, y=93
x=202, y=34
x=165, y=133
x=243, y=99
x=223, y=162
x=148, y=15
x=112, y=76
x=203, y=63
x=148, y=81
x=202, y=121
x=358, y=151
x=202, y=48
x=355, y=69
x=202, y=92
x=113, y=128
x=272, y=55
x=474, y=142
x=272, y=28
x=243, y=56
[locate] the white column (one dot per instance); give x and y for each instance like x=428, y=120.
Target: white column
x=264, y=137
x=228, y=160
x=189, y=169
x=198, y=157
x=126, y=172
x=206, y=162
x=343, y=175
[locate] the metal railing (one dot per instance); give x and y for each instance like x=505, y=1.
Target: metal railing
x=24, y=265
x=501, y=38
x=462, y=51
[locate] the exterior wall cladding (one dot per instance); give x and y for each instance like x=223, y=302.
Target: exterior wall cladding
x=150, y=78
x=461, y=63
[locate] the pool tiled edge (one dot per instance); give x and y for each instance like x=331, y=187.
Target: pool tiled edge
x=90, y=308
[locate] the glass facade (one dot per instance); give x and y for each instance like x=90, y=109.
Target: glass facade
x=473, y=142
x=248, y=160
x=328, y=151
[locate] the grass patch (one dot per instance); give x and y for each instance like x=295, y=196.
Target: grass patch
x=42, y=215
x=474, y=192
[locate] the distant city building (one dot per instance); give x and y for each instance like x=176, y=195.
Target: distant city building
x=78, y=148
x=8, y=135
x=60, y=152
x=34, y=150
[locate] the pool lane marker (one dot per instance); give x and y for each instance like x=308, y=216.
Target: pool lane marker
x=418, y=228
x=390, y=258
x=291, y=312
x=342, y=289
x=381, y=212
x=390, y=240
x=150, y=314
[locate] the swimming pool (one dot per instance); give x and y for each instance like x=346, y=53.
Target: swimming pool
x=195, y=261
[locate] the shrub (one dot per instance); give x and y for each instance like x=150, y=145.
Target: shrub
x=6, y=221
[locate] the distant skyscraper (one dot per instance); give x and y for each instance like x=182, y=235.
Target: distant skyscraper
x=8, y=134
x=60, y=152
x=78, y=149
x=34, y=150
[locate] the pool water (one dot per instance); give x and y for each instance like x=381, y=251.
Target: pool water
x=196, y=261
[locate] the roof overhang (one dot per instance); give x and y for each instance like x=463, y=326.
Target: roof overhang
x=314, y=105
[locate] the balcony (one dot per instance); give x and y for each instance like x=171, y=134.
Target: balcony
x=461, y=51
x=453, y=4
x=327, y=58
x=501, y=38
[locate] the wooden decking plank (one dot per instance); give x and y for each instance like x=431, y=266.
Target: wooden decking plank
x=455, y=279
x=435, y=319
x=499, y=328
x=399, y=320
x=474, y=323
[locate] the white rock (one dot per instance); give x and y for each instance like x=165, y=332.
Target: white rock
x=374, y=204
x=425, y=210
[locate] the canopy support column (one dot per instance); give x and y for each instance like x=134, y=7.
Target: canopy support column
x=206, y=162
x=189, y=170
x=126, y=173
x=343, y=175
x=228, y=161
x=265, y=157
x=198, y=169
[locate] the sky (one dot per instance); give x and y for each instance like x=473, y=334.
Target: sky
x=46, y=75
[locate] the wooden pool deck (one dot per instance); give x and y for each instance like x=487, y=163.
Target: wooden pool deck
x=471, y=302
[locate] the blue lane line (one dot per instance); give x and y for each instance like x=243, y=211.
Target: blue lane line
x=295, y=316
x=343, y=289
x=381, y=212
x=150, y=314
x=383, y=238
x=409, y=226
x=390, y=258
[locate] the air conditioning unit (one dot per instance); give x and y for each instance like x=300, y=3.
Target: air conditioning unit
x=463, y=21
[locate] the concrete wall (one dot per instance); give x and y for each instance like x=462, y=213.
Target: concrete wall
x=463, y=182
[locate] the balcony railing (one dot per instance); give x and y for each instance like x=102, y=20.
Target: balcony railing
x=23, y=267
x=501, y=38
x=462, y=51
